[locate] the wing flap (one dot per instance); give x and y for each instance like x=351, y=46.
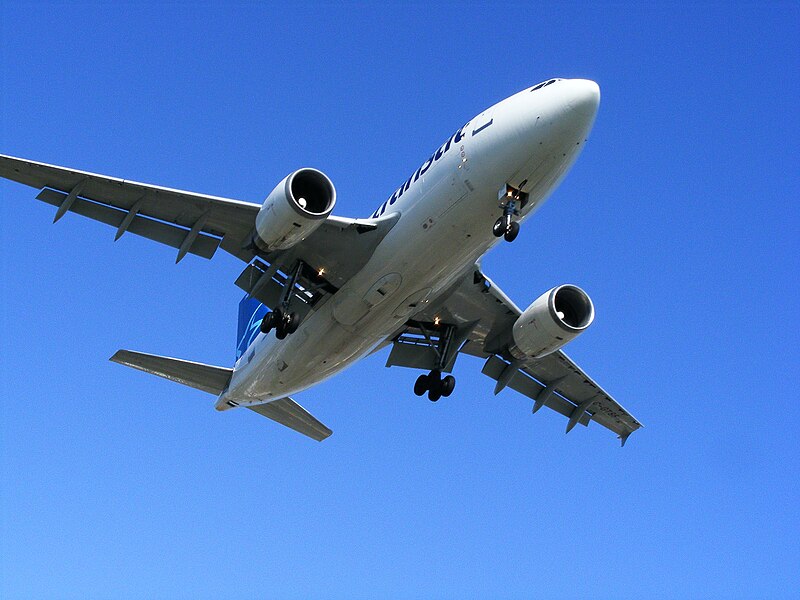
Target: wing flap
x=207, y=378
x=579, y=387
x=289, y=413
x=267, y=284
x=200, y=214
x=476, y=299
x=170, y=235
x=340, y=246
x=531, y=388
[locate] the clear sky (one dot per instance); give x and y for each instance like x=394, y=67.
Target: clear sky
x=680, y=219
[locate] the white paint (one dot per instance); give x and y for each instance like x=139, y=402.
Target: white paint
x=534, y=137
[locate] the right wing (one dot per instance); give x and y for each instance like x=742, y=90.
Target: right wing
x=192, y=223
x=199, y=224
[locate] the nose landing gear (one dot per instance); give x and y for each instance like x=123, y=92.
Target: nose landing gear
x=506, y=228
x=511, y=201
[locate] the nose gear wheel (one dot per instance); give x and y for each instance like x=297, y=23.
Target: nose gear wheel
x=512, y=200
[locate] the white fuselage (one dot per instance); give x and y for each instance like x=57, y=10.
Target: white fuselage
x=447, y=210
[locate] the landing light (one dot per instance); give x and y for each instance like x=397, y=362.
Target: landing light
x=436, y=321
x=321, y=272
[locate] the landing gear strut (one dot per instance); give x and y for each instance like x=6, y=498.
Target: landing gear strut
x=283, y=320
x=506, y=227
x=433, y=383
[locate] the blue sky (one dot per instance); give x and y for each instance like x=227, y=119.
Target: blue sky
x=680, y=220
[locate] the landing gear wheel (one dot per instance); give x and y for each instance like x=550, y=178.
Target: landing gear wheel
x=291, y=322
x=499, y=228
x=421, y=385
x=280, y=323
x=447, y=386
x=434, y=395
x=268, y=322
x=512, y=232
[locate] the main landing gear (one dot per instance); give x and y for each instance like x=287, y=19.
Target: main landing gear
x=506, y=227
x=433, y=383
x=436, y=385
x=283, y=320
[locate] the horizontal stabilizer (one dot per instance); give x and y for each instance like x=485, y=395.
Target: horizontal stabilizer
x=207, y=378
x=289, y=413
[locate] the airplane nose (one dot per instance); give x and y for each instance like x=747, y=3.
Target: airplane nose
x=582, y=99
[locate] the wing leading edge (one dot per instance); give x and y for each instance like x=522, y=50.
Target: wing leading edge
x=195, y=223
x=190, y=222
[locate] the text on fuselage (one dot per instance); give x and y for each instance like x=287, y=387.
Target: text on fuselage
x=454, y=139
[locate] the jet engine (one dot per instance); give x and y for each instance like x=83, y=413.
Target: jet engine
x=555, y=318
x=294, y=209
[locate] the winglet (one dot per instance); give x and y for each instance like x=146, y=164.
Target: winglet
x=624, y=438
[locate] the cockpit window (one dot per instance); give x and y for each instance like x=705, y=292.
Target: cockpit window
x=539, y=86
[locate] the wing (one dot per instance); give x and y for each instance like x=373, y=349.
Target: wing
x=191, y=223
x=482, y=316
x=199, y=224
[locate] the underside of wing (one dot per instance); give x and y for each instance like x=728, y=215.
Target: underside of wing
x=199, y=224
x=289, y=413
x=318, y=266
x=478, y=319
x=190, y=222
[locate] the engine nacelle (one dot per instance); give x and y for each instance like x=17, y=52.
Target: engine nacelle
x=555, y=318
x=295, y=208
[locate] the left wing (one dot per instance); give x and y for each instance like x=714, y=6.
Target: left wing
x=482, y=316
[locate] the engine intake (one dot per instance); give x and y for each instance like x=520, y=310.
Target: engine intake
x=558, y=316
x=294, y=209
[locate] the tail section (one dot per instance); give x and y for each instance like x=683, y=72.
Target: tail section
x=289, y=413
x=215, y=380
x=207, y=378
x=251, y=311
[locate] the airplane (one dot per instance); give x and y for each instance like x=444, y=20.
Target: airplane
x=322, y=291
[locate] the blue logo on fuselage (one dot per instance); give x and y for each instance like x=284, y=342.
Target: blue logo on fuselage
x=454, y=139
